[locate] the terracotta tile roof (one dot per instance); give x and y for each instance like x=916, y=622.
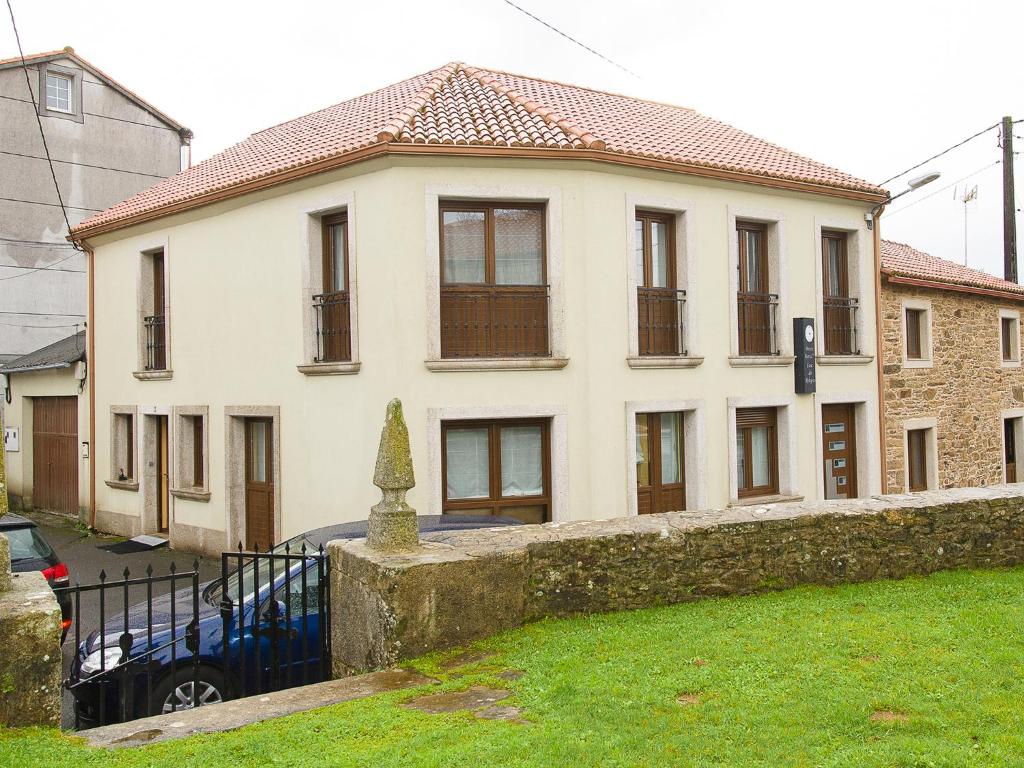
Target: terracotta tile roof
x=462, y=106
x=901, y=260
x=69, y=53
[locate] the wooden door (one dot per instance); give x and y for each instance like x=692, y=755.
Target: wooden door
x=259, y=484
x=660, y=479
x=162, y=477
x=1010, y=450
x=55, y=454
x=839, y=450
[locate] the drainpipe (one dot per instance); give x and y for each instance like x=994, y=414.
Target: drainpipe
x=876, y=214
x=90, y=356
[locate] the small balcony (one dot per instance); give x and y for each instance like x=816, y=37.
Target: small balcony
x=156, y=342
x=757, y=315
x=840, y=316
x=660, y=322
x=494, y=321
x=332, y=320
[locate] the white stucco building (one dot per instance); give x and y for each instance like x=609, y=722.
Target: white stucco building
x=584, y=301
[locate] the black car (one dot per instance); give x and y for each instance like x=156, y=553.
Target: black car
x=232, y=659
x=31, y=552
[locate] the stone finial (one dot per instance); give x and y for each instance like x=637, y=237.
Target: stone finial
x=392, y=524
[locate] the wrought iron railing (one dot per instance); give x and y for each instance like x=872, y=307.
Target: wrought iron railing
x=494, y=321
x=156, y=342
x=660, y=321
x=333, y=327
x=757, y=323
x=841, y=325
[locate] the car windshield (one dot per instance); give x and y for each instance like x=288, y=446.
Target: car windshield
x=243, y=580
x=27, y=544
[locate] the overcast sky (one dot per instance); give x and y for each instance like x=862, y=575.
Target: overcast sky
x=871, y=88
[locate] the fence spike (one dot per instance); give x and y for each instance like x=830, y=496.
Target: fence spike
x=149, y=570
x=195, y=564
x=103, y=575
x=173, y=569
x=127, y=573
x=287, y=548
x=303, y=549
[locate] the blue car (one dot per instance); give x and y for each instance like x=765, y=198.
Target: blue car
x=271, y=644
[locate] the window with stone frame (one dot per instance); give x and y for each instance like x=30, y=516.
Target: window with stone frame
x=1009, y=338
x=192, y=443
x=123, y=439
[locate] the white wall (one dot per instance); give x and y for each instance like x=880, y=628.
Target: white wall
x=237, y=304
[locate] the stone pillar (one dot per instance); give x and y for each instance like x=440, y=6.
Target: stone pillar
x=392, y=525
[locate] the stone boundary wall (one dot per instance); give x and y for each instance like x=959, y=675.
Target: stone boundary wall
x=463, y=586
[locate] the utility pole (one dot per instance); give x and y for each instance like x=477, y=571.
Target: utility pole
x=1009, y=205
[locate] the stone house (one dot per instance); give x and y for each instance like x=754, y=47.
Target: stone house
x=106, y=144
x=952, y=378
x=585, y=301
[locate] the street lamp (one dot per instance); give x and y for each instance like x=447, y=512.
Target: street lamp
x=915, y=183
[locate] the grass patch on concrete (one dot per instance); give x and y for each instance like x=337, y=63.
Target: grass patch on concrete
x=921, y=672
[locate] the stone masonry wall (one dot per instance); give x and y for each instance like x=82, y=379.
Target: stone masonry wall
x=462, y=586
x=965, y=390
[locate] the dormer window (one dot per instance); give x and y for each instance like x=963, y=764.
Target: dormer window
x=58, y=92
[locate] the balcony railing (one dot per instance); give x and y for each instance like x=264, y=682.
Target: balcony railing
x=660, y=321
x=494, y=321
x=333, y=327
x=841, y=326
x=758, y=329
x=156, y=342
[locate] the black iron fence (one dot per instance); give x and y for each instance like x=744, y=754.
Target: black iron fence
x=660, y=321
x=118, y=671
x=758, y=327
x=156, y=342
x=841, y=325
x=332, y=318
x=154, y=644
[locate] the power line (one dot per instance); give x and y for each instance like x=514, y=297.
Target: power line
x=34, y=242
x=41, y=327
x=84, y=165
x=572, y=39
x=940, y=154
x=40, y=269
x=39, y=120
x=105, y=117
x=52, y=205
x=42, y=314
x=943, y=189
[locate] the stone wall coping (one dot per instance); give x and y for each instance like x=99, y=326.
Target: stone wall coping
x=459, y=545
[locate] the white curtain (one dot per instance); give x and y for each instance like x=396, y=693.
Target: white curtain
x=639, y=234
x=465, y=249
x=659, y=255
x=671, y=469
x=468, y=463
x=643, y=456
x=741, y=461
x=761, y=461
x=518, y=246
x=522, y=462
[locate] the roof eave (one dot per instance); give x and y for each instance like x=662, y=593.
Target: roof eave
x=939, y=285
x=30, y=368
x=470, y=150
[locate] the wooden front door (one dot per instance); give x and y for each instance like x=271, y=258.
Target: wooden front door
x=259, y=484
x=162, y=477
x=660, y=481
x=1010, y=450
x=55, y=454
x=839, y=450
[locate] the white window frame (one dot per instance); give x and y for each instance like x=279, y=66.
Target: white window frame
x=1014, y=361
x=1017, y=414
x=785, y=419
x=311, y=237
x=860, y=261
x=686, y=279
x=70, y=80
x=551, y=197
x=559, y=451
x=776, y=243
x=695, y=464
x=865, y=419
x=143, y=306
x=925, y=305
x=929, y=423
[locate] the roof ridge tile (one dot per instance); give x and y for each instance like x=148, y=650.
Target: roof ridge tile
x=393, y=128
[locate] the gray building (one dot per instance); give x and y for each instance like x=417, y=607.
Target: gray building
x=106, y=144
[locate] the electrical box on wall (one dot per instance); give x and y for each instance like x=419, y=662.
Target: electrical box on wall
x=12, y=439
x=803, y=348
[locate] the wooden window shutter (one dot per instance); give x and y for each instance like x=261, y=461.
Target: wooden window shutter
x=755, y=417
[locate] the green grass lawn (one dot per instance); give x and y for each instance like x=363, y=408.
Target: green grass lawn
x=791, y=678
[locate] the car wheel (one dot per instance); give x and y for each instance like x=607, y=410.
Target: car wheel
x=175, y=694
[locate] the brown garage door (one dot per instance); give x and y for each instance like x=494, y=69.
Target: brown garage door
x=55, y=453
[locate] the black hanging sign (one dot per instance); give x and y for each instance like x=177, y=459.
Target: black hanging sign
x=803, y=345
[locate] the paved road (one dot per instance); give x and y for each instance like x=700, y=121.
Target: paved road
x=80, y=551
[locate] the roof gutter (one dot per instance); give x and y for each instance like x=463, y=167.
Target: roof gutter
x=919, y=282
x=30, y=368
x=876, y=214
x=383, y=148
x=90, y=345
